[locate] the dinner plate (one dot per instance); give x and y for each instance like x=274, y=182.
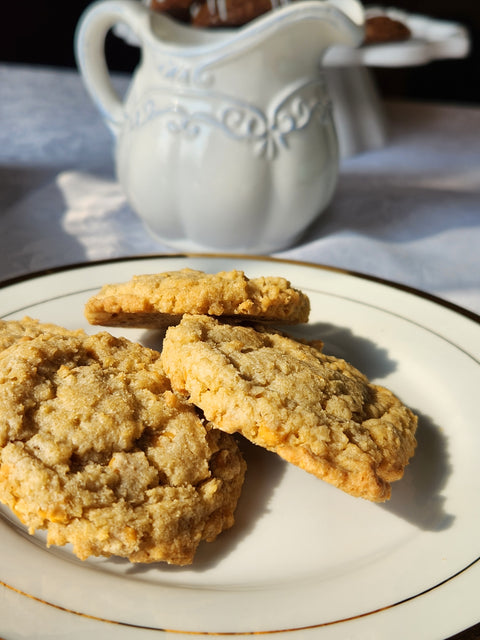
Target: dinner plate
x=303, y=560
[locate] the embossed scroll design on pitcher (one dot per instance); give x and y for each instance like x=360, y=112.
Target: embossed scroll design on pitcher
x=267, y=131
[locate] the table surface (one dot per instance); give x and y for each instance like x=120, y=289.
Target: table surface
x=409, y=212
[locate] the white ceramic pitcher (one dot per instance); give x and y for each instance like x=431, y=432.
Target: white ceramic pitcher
x=225, y=140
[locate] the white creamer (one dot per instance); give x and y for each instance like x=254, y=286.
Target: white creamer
x=225, y=140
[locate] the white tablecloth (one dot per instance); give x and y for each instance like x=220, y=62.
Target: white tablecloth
x=409, y=212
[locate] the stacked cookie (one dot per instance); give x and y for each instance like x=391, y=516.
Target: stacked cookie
x=97, y=448
x=123, y=450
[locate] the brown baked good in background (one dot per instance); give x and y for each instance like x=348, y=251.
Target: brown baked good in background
x=382, y=29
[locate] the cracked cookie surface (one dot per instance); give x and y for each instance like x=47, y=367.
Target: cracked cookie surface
x=98, y=450
x=11, y=331
x=159, y=300
x=314, y=410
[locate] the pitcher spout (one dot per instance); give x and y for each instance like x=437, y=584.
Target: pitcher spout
x=332, y=22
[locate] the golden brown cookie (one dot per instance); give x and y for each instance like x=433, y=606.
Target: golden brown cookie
x=97, y=449
x=160, y=300
x=13, y=330
x=314, y=410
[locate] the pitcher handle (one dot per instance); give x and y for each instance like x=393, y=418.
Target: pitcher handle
x=89, y=47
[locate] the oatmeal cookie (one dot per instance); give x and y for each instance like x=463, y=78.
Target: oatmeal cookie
x=159, y=300
x=98, y=450
x=11, y=331
x=314, y=410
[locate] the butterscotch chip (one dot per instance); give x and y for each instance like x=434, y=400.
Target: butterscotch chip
x=160, y=300
x=98, y=450
x=314, y=410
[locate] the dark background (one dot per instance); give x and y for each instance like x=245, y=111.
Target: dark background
x=36, y=32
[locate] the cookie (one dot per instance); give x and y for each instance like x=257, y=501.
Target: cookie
x=159, y=300
x=382, y=29
x=177, y=9
x=11, y=331
x=314, y=410
x=98, y=450
x=228, y=13
x=215, y=13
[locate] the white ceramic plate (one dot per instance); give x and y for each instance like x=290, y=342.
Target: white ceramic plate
x=431, y=39
x=303, y=560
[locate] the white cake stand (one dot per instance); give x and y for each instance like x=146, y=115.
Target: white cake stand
x=358, y=111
